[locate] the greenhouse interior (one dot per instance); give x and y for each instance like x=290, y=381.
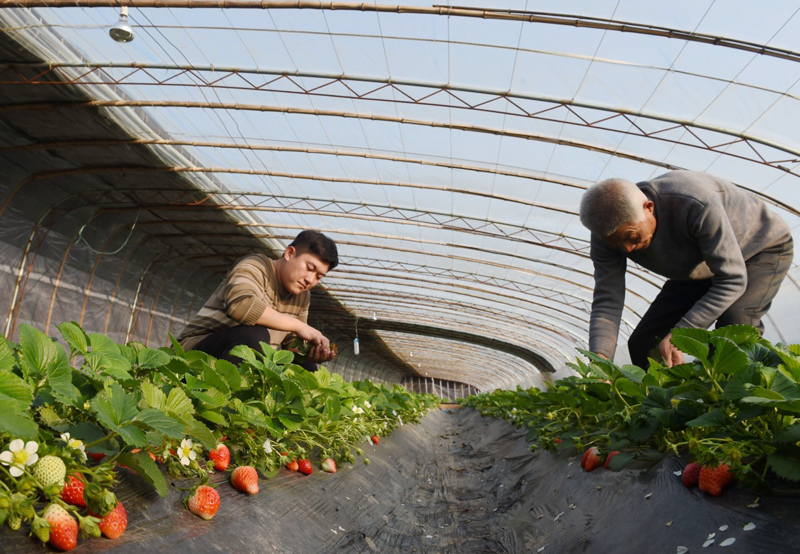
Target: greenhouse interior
x=461, y=402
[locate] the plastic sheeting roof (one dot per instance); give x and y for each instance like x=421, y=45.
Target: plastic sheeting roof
x=444, y=147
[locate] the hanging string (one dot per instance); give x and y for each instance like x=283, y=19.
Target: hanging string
x=99, y=252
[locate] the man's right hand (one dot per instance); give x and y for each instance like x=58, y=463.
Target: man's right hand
x=307, y=332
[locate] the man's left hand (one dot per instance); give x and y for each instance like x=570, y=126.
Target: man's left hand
x=672, y=356
x=320, y=354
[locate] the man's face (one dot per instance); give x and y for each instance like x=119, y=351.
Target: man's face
x=301, y=271
x=635, y=235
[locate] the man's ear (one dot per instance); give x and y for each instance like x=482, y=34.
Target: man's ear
x=649, y=206
x=289, y=253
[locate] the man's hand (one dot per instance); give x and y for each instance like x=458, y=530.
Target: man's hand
x=320, y=355
x=672, y=356
x=320, y=341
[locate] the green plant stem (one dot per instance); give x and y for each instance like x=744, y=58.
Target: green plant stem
x=104, y=439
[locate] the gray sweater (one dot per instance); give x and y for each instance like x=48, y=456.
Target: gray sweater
x=705, y=228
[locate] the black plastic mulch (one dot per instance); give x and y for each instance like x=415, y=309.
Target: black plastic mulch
x=456, y=483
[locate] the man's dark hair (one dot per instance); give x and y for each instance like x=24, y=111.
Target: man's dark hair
x=318, y=244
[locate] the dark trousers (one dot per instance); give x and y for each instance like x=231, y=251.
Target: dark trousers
x=765, y=273
x=219, y=343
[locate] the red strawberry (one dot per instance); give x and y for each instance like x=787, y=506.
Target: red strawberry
x=592, y=459
x=713, y=479
x=305, y=467
x=293, y=466
x=608, y=458
x=375, y=439
x=115, y=523
x=72, y=493
x=221, y=456
x=63, y=528
x=96, y=456
x=245, y=479
x=329, y=465
x=557, y=440
x=691, y=474
x=204, y=502
x=585, y=455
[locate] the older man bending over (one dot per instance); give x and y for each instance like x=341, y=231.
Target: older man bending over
x=723, y=252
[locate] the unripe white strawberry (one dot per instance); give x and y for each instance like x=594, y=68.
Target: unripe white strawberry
x=50, y=470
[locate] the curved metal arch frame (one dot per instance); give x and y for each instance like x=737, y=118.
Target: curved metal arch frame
x=444, y=307
x=373, y=117
x=543, y=343
x=561, y=315
x=569, y=106
x=549, y=18
x=482, y=298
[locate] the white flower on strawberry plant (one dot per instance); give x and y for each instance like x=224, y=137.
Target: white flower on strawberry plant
x=358, y=410
x=367, y=404
x=394, y=412
x=267, y=447
x=75, y=444
x=19, y=455
x=186, y=452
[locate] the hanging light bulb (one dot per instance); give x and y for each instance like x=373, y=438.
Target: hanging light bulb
x=121, y=31
x=356, y=349
x=374, y=316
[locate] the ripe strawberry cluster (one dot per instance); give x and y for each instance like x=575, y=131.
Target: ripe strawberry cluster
x=593, y=458
x=711, y=479
x=69, y=494
x=204, y=500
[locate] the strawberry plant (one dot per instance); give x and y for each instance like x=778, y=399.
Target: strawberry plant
x=737, y=403
x=70, y=417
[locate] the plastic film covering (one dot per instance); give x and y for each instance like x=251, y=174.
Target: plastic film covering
x=444, y=147
x=456, y=483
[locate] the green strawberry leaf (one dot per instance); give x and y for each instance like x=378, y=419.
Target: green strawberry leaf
x=112, y=364
x=785, y=386
x=789, y=435
x=15, y=422
x=153, y=396
x=742, y=335
x=620, y=461
x=632, y=372
x=713, y=418
x=179, y=406
x=213, y=417
x=642, y=428
x=15, y=388
x=144, y=466
x=176, y=346
x=159, y=421
x=629, y=389
x=283, y=357
x=202, y=433
x=244, y=352
x=728, y=358
x=214, y=379
x=149, y=358
x=7, y=359
x=132, y=435
x=75, y=336
x=690, y=345
x=786, y=463
x=333, y=408
x=230, y=373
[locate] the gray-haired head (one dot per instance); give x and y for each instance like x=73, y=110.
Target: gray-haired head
x=608, y=205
